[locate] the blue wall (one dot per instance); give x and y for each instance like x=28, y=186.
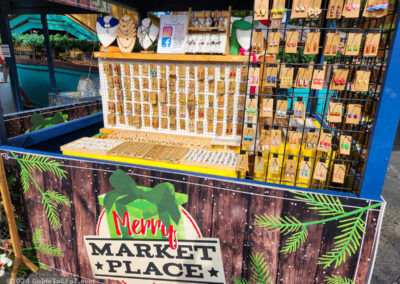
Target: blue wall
x=35, y=81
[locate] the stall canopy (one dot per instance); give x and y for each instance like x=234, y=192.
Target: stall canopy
x=180, y=5
x=43, y=8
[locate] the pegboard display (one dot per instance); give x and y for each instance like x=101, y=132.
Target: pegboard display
x=203, y=100
x=313, y=95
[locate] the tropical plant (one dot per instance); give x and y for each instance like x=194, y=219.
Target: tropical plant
x=50, y=198
x=259, y=271
x=351, y=225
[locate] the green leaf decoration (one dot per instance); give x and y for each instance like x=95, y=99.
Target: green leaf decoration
x=37, y=237
x=259, y=271
x=285, y=224
x=126, y=191
x=347, y=243
x=295, y=241
x=50, y=199
x=336, y=279
x=326, y=205
x=57, y=197
x=41, y=246
x=38, y=121
x=259, y=268
x=43, y=164
x=25, y=180
x=51, y=211
x=43, y=266
x=238, y=281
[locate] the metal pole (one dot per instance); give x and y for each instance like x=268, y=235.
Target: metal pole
x=49, y=54
x=6, y=39
x=385, y=128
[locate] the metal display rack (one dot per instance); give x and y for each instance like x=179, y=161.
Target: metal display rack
x=317, y=101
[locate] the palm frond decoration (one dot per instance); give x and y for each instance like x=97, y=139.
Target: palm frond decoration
x=347, y=243
x=57, y=197
x=43, y=266
x=50, y=199
x=41, y=246
x=238, y=281
x=326, y=205
x=351, y=225
x=51, y=211
x=284, y=224
x=295, y=241
x=43, y=164
x=336, y=279
x=259, y=271
x=259, y=268
x=25, y=180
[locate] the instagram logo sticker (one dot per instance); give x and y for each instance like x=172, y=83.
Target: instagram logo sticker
x=167, y=31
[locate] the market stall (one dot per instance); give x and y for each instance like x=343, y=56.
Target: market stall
x=240, y=150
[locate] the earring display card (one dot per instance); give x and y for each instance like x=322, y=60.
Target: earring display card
x=254, y=76
x=339, y=80
x=286, y=77
x=335, y=112
x=303, y=78
x=332, y=44
x=270, y=76
x=312, y=43
x=292, y=38
x=278, y=9
x=267, y=107
x=339, y=173
x=315, y=9
x=353, y=114
x=361, y=81
x=300, y=9
x=376, y=8
x=351, y=8
x=281, y=109
x=276, y=138
x=273, y=42
x=320, y=172
x=353, y=44
x=311, y=141
x=294, y=139
x=325, y=142
x=345, y=144
x=305, y=169
x=274, y=165
x=248, y=136
x=371, y=44
x=265, y=139
x=261, y=8
x=290, y=169
x=335, y=9
x=299, y=111
x=259, y=165
x=242, y=163
x=318, y=79
x=257, y=45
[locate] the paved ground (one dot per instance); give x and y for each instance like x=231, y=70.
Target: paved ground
x=387, y=267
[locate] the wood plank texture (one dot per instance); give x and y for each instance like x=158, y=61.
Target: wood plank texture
x=222, y=209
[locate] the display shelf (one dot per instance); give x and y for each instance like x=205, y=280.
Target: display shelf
x=173, y=57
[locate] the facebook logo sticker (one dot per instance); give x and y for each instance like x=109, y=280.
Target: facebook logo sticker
x=166, y=42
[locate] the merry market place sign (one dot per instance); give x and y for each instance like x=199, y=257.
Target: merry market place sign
x=144, y=235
